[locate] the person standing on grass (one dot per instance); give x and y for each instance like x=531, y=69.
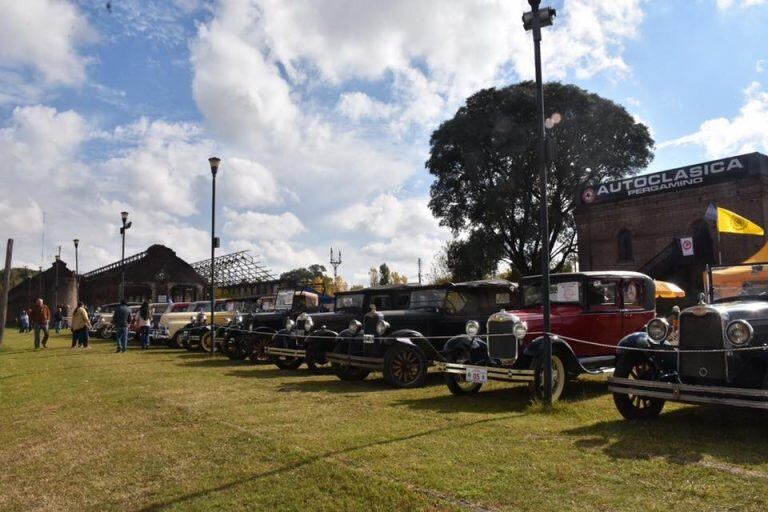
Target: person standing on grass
x=57, y=320
x=143, y=321
x=40, y=317
x=80, y=325
x=121, y=318
x=24, y=321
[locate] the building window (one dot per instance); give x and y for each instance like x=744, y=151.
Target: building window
x=624, y=240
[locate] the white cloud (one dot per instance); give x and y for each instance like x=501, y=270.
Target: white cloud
x=743, y=133
x=253, y=226
x=760, y=65
x=248, y=184
x=45, y=36
x=358, y=105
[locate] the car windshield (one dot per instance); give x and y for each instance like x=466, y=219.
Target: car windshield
x=427, y=299
x=284, y=299
x=565, y=292
x=202, y=306
x=354, y=301
x=745, y=280
x=180, y=308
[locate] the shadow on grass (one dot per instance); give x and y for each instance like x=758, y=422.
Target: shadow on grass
x=683, y=436
x=331, y=384
x=317, y=458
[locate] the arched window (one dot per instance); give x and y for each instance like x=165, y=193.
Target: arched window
x=624, y=240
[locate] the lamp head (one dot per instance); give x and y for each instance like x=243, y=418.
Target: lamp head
x=77, y=242
x=124, y=216
x=56, y=257
x=214, y=161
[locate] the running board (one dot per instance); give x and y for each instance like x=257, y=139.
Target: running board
x=371, y=363
x=285, y=352
x=689, y=393
x=493, y=372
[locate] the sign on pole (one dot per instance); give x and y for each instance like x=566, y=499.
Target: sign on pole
x=686, y=244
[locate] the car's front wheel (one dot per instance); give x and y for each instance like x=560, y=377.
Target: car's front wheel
x=206, y=342
x=256, y=348
x=635, y=407
x=457, y=383
x=559, y=378
x=345, y=371
x=405, y=366
x=285, y=362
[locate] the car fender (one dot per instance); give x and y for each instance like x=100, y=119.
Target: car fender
x=415, y=339
x=320, y=341
x=559, y=347
x=462, y=341
x=665, y=363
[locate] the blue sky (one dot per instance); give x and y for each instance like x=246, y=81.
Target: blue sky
x=322, y=112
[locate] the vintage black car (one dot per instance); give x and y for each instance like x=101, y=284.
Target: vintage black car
x=261, y=326
x=403, y=343
x=595, y=307
x=721, y=357
x=311, y=335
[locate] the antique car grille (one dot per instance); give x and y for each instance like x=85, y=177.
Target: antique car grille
x=369, y=324
x=504, y=344
x=702, y=333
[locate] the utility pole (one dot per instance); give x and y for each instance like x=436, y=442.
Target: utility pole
x=335, y=264
x=6, y=285
x=419, y=270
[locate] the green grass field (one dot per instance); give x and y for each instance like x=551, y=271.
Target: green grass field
x=171, y=430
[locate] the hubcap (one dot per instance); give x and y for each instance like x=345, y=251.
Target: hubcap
x=405, y=367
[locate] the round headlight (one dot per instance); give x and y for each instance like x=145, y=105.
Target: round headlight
x=308, y=323
x=381, y=327
x=355, y=326
x=472, y=328
x=739, y=332
x=657, y=329
x=289, y=323
x=520, y=330
x=239, y=319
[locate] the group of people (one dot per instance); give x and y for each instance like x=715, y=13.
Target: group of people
x=59, y=319
x=38, y=319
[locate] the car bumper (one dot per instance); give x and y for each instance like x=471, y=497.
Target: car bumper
x=285, y=352
x=371, y=363
x=489, y=372
x=691, y=394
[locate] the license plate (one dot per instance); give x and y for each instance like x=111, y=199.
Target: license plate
x=367, y=338
x=477, y=375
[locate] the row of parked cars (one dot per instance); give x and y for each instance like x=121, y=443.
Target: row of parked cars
x=474, y=332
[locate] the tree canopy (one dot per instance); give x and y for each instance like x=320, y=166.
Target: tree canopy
x=486, y=177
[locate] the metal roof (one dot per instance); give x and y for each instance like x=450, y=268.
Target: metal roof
x=237, y=268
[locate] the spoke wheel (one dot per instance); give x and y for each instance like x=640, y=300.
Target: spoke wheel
x=559, y=378
x=206, y=342
x=458, y=384
x=257, y=349
x=405, y=366
x=634, y=367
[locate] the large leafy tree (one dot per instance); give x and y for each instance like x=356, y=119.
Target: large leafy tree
x=486, y=177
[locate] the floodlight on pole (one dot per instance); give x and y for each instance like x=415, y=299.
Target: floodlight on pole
x=77, y=272
x=126, y=225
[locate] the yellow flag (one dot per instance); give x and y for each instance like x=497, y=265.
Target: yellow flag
x=729, y=222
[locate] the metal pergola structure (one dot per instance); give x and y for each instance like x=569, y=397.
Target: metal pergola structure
x=234, y=269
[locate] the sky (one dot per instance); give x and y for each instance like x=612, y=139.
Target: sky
x=321, y=113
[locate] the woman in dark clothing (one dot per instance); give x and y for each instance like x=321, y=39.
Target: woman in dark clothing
x=144, y=319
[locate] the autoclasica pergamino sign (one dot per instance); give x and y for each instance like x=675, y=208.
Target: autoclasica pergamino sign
x=725, y=169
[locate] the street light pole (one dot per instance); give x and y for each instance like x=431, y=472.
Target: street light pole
x=214, y=161
x=534, y=21
x=77, y=272
x=126, y=225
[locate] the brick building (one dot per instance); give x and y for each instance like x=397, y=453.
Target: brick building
x=637, y=223
x=44, y=284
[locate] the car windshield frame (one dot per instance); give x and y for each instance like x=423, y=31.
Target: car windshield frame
x=281, y=304
x=536, y=285
x=428, y=298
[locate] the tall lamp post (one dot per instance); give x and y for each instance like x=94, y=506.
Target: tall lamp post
x=126, y=225
x=77, y=272
x=214, y=161
x=534, y=20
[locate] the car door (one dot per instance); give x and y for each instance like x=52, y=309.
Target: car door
x=634, y=314
x=604, y=314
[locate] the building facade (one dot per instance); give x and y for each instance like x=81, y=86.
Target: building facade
x=56, y=285
x=638, y=223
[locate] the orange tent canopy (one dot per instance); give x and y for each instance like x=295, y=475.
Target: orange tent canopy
x=665, y=290
x=732, y=279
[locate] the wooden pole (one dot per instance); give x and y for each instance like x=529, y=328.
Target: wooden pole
x=6, y=285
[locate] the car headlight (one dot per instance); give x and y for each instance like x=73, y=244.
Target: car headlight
x=355, y=326
x=381, y=327
x=472, y=328
x=289, y=324
x=739, y=332
x=308, y=323
x=520, y=330
x=239, y=319
x=657, y=329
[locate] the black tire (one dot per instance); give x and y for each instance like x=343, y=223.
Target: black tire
x=206, y=342
x=559, y=378
x=233, y=348
x=632, y=407
x=346, y=372
x=174, y=341
x=405, y=366
x=456, y=383
x=285, y=362
x=256, y=346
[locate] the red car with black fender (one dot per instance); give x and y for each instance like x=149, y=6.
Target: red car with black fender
x=597, y=307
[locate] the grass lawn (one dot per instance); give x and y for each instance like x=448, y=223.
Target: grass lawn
x=171, y=430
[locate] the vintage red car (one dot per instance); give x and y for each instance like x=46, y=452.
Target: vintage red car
x=596, y=307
